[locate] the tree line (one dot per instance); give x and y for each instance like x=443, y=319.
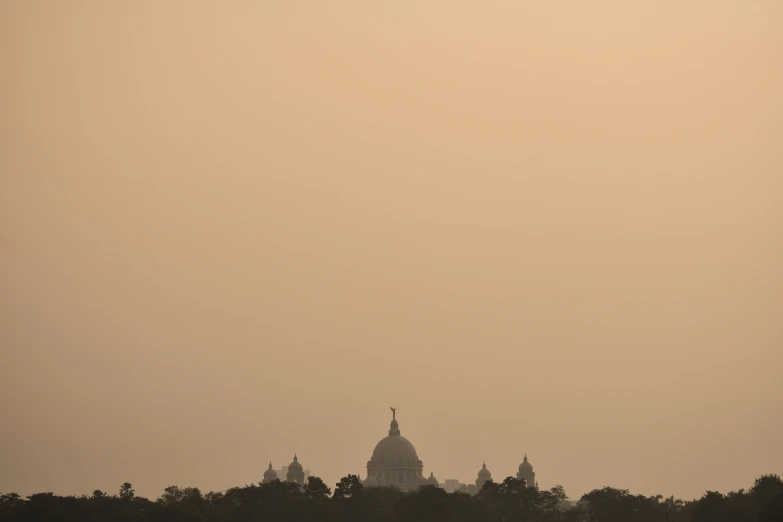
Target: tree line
x=506, y=501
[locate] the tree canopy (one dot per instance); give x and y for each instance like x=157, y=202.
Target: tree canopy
x=506, y=501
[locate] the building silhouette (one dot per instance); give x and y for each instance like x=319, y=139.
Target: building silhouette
x=483, y=476
x=452, y=485
x=283, y=472
x=270, y=475
x=295, y=472
x=394, y=461
x=526, y=473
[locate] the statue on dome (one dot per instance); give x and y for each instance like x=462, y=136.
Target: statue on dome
x=394, y=412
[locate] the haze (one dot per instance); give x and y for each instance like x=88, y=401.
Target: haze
x=230, y=230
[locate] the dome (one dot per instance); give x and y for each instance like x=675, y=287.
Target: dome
x=525, y=466
x=394, y=446
x=432, y=480
x=394, y=461
x=484, y=472
x=295, y=466
x=270, y=474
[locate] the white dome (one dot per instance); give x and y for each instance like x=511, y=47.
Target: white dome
x=270, y=474
x=394, y=462
x=394, y=446
x=295, y=466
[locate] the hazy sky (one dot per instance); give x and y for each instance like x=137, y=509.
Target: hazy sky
x=233, y=229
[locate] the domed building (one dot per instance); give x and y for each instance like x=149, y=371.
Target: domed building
x=432, y=481
x=394, y=461
x=295, y=472
x=526, y=473
x=484, y=475
x=270, y=475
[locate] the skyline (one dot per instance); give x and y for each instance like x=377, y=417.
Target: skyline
x=227, y=230
x=141, y=489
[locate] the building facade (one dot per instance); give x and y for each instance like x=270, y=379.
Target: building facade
x=295, y=472
x=484, y=475
x=394, y=461
x=526, y=473
x=282, y=473
x=270, y=475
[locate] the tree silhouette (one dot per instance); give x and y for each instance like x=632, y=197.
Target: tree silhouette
x=348, y=487
x=316, y=489
x=507, y=501
x=127, y=491
x=772, y=510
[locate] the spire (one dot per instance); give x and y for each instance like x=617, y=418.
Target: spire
x=525, y=457
x=297, y=460
x=484, y=465
x=270, y=464
x=394, y=427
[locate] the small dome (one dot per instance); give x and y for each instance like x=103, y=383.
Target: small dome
x=432, y=480
x=525, y=466
x=484, y=472
x=270, y=474
x=295, y=466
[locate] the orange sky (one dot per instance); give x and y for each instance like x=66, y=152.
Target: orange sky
x=232, y=229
